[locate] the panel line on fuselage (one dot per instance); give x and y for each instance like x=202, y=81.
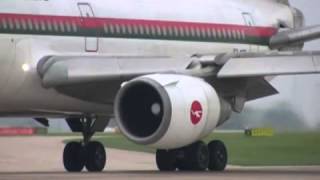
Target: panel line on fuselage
x=133, y=28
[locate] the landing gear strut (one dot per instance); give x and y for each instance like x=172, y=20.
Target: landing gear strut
x=89, y=154
x=195, y=157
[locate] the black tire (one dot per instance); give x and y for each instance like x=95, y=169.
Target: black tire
x=165, y=160
x=73, y=157
x=200, y=156
x=218, y=156
x=96, y=157
x=196, y=157
x=183, y=161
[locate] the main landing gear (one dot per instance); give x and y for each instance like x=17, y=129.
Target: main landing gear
x=195, y=157
x=89, y=154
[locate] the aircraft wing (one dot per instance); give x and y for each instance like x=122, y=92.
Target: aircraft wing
x=98, y=78
x=69, y=70
x=288, y=63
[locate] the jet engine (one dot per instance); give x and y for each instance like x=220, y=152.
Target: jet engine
x=168, y=111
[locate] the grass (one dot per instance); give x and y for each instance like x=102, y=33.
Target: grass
x=281, y=149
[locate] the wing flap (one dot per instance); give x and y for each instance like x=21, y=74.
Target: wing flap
x=306, y=63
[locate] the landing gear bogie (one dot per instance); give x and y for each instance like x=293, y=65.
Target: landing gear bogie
x=89, y=154
x=76, y=156
x=195, y=157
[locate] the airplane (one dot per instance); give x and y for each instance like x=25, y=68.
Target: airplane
x=169, y=72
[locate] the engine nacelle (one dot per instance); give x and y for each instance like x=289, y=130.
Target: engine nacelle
x=168, y=111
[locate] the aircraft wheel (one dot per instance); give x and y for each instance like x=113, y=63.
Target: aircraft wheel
x=196, y=157
x=199, y=156
x=96, y=157
x=73, y=157
x=218, y=156
x=165, y=160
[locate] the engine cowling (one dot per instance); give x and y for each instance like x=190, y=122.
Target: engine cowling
x=168, y=111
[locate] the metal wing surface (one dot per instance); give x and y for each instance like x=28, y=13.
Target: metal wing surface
x=270, y=65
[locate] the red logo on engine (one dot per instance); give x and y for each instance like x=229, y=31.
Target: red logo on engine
x=196, y=112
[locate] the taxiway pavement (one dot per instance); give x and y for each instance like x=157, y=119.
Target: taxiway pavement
x=35, y=158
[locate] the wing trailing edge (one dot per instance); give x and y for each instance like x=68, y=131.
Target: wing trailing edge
x=261, y=65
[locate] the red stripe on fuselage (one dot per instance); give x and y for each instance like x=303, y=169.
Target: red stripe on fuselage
x=98, y=23
x=41, y=18
x=251, y=30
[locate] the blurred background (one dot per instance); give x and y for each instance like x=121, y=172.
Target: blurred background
x=296, y=108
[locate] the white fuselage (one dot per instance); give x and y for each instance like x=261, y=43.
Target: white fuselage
x=21, y=92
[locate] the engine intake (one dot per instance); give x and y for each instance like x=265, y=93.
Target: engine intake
x=143, y=110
